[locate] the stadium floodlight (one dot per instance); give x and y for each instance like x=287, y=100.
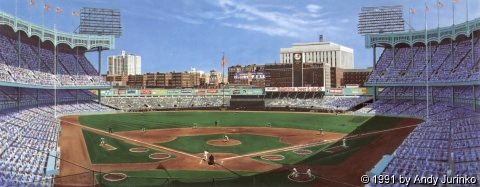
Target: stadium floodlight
x=374, y=20
x=100, y=21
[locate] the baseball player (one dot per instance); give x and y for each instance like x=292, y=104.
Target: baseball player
x=205, y=155
x=225, y=138
x=294, y=172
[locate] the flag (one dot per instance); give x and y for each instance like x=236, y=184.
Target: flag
x=46, y=7
x=33, y=3
x=58, y=10
x=224, y=61
x=411, y=10
x=427, y=9
x=74, y=13
x=455, y=1
x=439, y=4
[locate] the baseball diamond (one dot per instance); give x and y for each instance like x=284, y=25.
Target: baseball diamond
x=239, y=93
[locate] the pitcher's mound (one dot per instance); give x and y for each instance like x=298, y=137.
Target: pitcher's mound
x=221, y=142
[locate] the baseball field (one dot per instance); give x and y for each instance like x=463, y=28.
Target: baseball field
x=261, y=148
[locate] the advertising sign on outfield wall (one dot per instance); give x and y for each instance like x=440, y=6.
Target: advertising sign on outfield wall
x=293, y=89
x=210, y=91
x=271, y=89
x=159, y=92
x=165, y=92
x=146, y=92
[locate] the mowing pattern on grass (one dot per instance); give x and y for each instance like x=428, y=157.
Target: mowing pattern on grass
x=122, y=154
x=179, y=178
x=293, y=158
x=335, y=158
x=162, y=120
x=250, y=143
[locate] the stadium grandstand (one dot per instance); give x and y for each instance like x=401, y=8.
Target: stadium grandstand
x=435, y=78
x=430, y=75
x=43, y=74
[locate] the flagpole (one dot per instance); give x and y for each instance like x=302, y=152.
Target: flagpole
x=223, y=82
x=438, y=14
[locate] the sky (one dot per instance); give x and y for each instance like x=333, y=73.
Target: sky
x=176, y=35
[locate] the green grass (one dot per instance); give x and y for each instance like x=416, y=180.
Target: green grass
x=293, y=158
x=250, y=143
x=175, y=178
x=99, y=155
x=163, y=120
x=332, y=159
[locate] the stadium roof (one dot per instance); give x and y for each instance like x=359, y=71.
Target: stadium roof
x=412, y=37
x=57, y=37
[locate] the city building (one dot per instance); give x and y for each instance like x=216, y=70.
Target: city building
x=186, y=79
x=124, y=64
x=355, y=76
x=334, y=55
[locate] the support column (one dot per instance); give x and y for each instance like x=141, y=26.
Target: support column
x=18, y=47
x=374, y=56
x=38, y=102
x=99, y=71
x=374, y=67
x=474, y=99
x=413, y=94
x=18, y=98
x=453, y=95
x=433, y=99
x=393, y=61
x=38, y=55
x=394, y=94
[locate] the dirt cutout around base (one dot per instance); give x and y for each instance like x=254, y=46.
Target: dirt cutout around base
x=108, y=147
x=113, y=177
x=159, y=156
x=272, y=157
x=301, y=177
x=222, y=142
x=302, y=152
x=138, y=149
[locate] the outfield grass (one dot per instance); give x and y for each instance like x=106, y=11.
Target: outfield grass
x=99, y=155
x=250, y=143
x=163, y=120
x=293, y=158
x=174, y=178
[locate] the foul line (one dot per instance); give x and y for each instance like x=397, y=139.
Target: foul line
x=282, y=149
x=132, y=140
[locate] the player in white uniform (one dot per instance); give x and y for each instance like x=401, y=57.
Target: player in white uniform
x=294, y=172
x=205, y=155
x=225, y=138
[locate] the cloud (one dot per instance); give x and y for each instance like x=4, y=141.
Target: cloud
x=272, y=31
x=345, y=20
x=189, y=20
x=313, y=8
x=274, y=22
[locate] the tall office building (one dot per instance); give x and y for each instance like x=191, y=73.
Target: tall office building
x=124, y=64
x=318, y=52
